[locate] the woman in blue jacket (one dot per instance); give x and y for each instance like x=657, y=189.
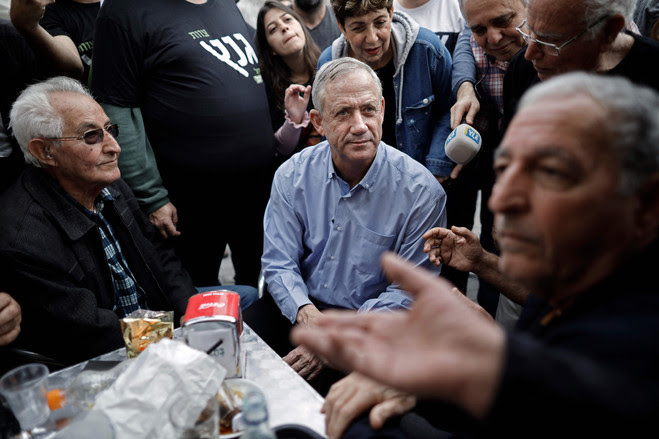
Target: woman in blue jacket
x=415, y=70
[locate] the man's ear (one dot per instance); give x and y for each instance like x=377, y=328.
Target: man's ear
x=614, y=25
x=317, y=121
x=42, y=151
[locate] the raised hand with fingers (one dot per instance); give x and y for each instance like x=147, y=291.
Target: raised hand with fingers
x=457, y=247
x=296, y=101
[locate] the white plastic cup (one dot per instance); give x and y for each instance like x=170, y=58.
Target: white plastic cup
x=463, y=144
x=24, y=388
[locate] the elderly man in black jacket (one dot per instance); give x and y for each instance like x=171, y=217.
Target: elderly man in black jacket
x=76, y=251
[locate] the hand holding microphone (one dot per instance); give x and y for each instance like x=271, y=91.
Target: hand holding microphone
x=463, y=144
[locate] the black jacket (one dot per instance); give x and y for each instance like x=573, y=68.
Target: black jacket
x=592, y=371
x=54, y=265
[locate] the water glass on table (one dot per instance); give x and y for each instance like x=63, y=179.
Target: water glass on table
x=24, y=388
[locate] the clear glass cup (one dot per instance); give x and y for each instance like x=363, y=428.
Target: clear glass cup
x=195, y=417
x=24, y=388
x=228, y=407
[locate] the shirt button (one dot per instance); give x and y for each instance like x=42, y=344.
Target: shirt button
x=338, y=228
x=325, y=285
x=332, y=258
x=425, y=101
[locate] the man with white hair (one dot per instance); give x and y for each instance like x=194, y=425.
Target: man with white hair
x=578, y=35
x=76, y=251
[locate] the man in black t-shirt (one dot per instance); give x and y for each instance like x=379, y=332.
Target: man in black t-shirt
x=567, y=35
x=182, y=80
x=19, y=68
x=60, y=33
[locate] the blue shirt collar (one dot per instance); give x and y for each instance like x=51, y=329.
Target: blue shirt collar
x=371, y=176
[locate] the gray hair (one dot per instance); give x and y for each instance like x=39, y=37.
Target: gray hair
x=333, y=70
x=632, y=122
x=462, y=5
x=596, y=9
x=32, y=115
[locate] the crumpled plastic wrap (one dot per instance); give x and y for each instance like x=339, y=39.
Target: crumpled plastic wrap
x=143, y=327
x=138, y=402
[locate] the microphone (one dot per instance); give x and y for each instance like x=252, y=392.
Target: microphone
x=463, y=144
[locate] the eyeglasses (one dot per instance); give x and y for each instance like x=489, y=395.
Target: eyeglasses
x=550, y=48
x=92, y=137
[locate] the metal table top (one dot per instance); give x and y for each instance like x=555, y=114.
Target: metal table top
x=291, y=400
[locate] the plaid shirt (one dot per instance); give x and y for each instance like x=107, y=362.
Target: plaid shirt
x=129, y=295
x=489, y=87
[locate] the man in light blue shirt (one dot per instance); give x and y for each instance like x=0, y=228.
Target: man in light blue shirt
x=336, y=207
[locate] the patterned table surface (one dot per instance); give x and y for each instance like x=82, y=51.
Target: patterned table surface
x=291, y=400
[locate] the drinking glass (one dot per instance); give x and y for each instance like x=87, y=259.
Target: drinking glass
x=24, y=388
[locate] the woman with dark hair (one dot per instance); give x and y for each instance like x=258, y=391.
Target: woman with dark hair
x=288, y=57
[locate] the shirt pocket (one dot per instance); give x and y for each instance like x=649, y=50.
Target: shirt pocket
x=365, y=258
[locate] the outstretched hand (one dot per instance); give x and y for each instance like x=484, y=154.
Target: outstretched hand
x=442, y=347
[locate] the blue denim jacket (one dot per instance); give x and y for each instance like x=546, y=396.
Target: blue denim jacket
x=422, y=83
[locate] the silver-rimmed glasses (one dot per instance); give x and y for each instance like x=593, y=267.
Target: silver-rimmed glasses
x=551, y=48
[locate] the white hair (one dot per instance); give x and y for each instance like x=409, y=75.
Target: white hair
x=335, y=69
x=596, y=9
x=32, y=115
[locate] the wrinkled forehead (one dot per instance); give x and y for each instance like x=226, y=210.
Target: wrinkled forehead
x=349, y=83
x=555, y=18
x=76, y=109
x=67, y=101
x=575, y=125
